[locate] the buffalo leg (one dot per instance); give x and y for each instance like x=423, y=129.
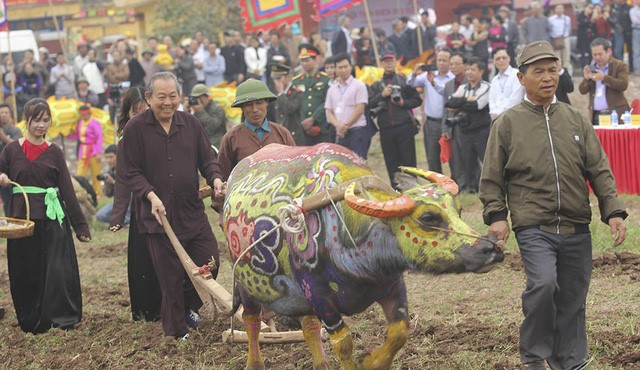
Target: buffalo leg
x=311, y=330
x=342, y=342
x=395, y=310
x=252, y=318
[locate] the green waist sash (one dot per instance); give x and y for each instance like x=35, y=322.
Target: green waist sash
x=54, y=208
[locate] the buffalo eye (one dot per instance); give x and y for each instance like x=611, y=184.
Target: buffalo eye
x=431, y=219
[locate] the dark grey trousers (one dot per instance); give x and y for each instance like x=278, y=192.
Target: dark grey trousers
x=558, y=269
x=432, y=133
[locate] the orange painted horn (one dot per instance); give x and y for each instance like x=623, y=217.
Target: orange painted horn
x=446, y=182
x=403, y=205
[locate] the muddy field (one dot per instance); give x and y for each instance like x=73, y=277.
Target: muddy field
x=463, y=321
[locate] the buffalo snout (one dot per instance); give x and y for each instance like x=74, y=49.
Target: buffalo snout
x=481, y=256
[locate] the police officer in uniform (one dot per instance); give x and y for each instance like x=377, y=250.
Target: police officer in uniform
x=313, y=86
x=287, y=107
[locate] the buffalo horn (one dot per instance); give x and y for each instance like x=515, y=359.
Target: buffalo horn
x=397, y=207
x=446, y=182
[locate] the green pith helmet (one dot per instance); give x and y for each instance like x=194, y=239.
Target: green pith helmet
x=251, y=90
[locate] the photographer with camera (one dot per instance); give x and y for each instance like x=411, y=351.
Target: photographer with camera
x=210, y=113
x=470, y=108
x=391, y=101
x=109, y=179
x=114, y=75
x=433, y=78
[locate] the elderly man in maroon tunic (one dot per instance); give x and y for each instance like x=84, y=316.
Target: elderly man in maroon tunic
x=163, y=150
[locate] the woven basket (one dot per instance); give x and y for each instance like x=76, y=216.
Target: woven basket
x=18, y=228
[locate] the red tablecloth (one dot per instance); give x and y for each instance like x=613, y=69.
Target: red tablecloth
x=622, y=146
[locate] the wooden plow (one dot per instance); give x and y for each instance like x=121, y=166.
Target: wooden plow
x=213, y=294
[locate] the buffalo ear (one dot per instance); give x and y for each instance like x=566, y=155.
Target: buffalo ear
x=405, y=181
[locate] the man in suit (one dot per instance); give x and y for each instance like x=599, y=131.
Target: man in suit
x=605, y=81
x=457, y=66
x=342, y=42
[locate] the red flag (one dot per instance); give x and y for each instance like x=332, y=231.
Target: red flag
x=326, y=7
x=265, y=15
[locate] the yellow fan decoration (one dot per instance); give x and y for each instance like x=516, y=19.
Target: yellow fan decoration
x=224, y=93
x=65, y=116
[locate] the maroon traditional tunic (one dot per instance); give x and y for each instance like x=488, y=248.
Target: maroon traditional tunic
x=168, y=164
x=43, y=268
x=48, y=170
x=240, y=142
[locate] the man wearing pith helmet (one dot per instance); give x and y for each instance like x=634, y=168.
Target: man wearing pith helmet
x=255, y=132
x=539, y=155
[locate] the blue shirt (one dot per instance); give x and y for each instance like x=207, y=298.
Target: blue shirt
x=600, y=98
x=434, y=94
x=259, y=130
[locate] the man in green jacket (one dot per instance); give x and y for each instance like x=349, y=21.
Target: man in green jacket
x=539, y=157
x=210, y=114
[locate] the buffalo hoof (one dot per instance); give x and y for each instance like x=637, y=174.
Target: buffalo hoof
x=255, y=366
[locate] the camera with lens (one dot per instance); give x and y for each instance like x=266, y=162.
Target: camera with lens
x=428, y=67
x=193, y=100
x=102, y=176
x=396, y=94
x=461, y=119
x=375, y=111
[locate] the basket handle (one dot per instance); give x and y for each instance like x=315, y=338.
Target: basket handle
x=26, y=198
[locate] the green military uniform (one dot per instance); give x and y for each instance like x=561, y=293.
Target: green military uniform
x=287, y=107
x=288, y=113
x=313, y=88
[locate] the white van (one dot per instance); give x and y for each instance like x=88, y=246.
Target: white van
x=21, y=41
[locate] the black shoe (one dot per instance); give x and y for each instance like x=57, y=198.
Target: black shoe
x=182, y=338
x=2, y=313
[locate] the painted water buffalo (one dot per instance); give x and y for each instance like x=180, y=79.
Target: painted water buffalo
x=359, y=235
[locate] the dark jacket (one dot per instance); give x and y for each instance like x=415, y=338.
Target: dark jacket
x=391, y=114
x=539, y=170
x=477, y=111
x=339, y=42
x=234, y=60
x=565, y=86
x=136, y=73
x=214, y=121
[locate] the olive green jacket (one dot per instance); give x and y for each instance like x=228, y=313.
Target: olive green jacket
x=536, y=166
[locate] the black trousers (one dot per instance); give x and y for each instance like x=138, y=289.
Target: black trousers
x=558, y=269
x=398, y=148
x=178, y=293
x=144, y=288
x=44, y=278
x=473, y=145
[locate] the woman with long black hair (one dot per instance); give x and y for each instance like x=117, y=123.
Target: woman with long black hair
x=43, y=268
x=144, y=290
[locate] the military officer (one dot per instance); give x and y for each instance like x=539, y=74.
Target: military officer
x=287, y=107
x=313, y=86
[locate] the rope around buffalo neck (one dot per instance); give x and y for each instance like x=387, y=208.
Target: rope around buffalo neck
x=344, y=224
x=494, y=243
x=285, y=214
